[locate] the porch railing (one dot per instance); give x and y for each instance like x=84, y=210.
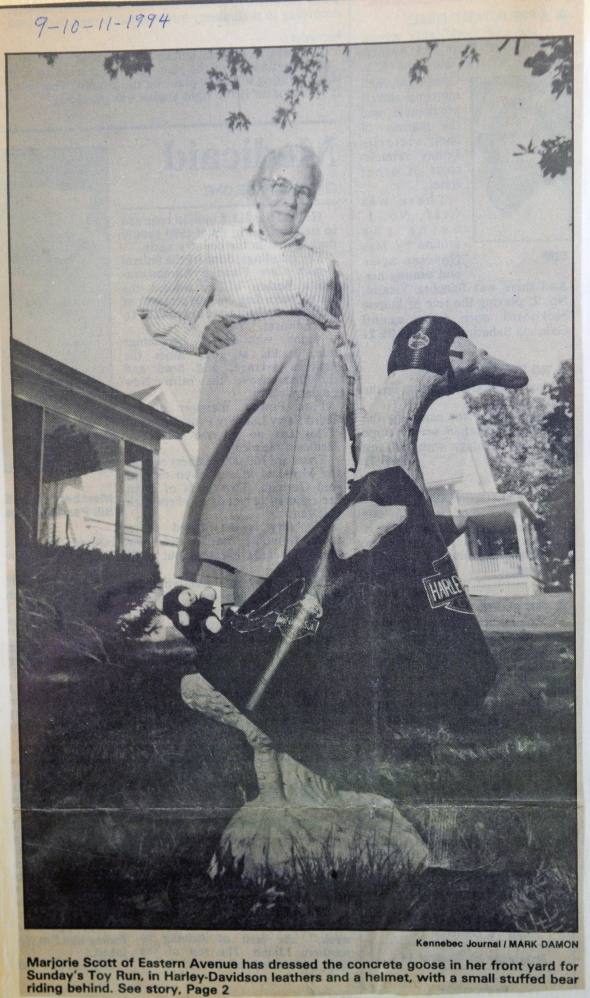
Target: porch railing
x=498, y=564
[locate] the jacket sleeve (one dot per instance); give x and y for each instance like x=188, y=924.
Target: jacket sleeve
x=172, y=308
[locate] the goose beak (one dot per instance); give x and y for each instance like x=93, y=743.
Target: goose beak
x=472, y=366
x=497, y=372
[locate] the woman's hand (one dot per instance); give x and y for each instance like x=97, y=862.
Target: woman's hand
x=216, y=336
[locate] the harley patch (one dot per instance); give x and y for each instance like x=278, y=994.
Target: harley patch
x=444, y=588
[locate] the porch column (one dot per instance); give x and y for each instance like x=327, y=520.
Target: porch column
x=460, y=554
x=525, y=565
x=120, y=499
x=471, y=537
x=155, y=477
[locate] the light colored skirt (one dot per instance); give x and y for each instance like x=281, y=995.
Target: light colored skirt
x=272, y=445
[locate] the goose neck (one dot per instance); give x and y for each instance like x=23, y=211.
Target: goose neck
x=393, y=422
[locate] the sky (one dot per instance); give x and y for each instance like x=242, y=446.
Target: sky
x=423, y=204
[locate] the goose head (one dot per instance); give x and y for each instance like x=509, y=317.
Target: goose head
x=440, y=346
x=431, y=357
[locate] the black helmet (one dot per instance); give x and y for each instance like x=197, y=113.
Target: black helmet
x=424, y=344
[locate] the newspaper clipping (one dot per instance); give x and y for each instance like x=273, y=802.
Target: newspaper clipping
x=289, y=674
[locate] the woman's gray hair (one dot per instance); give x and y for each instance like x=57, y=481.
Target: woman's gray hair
x=303, y=154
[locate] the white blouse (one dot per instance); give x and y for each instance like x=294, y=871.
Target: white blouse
x=240, y=274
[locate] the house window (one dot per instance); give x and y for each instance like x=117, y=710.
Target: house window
x=78, y=485
x=95, y=488
x=492, y=535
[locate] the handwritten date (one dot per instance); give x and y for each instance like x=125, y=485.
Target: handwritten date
x=71, y=26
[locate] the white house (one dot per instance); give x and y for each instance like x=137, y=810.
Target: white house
x=86, y=458
x=498, y=554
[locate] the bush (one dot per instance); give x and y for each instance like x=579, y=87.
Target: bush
x=71, y=601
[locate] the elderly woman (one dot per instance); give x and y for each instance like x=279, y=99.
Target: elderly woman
x=280, y=380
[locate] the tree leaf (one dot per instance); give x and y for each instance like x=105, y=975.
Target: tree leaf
x=129, y=63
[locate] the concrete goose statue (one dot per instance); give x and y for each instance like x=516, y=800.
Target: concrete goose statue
x=363, y=626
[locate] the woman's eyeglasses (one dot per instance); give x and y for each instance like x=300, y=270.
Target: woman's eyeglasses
x=284, y=188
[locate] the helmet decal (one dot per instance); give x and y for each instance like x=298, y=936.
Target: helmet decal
x=424, y=344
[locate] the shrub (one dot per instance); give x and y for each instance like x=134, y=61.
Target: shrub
x=71, y=601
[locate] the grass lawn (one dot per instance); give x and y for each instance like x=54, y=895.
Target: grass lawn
x=125, y=792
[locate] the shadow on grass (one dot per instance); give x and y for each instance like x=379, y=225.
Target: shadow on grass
x=73, y=880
